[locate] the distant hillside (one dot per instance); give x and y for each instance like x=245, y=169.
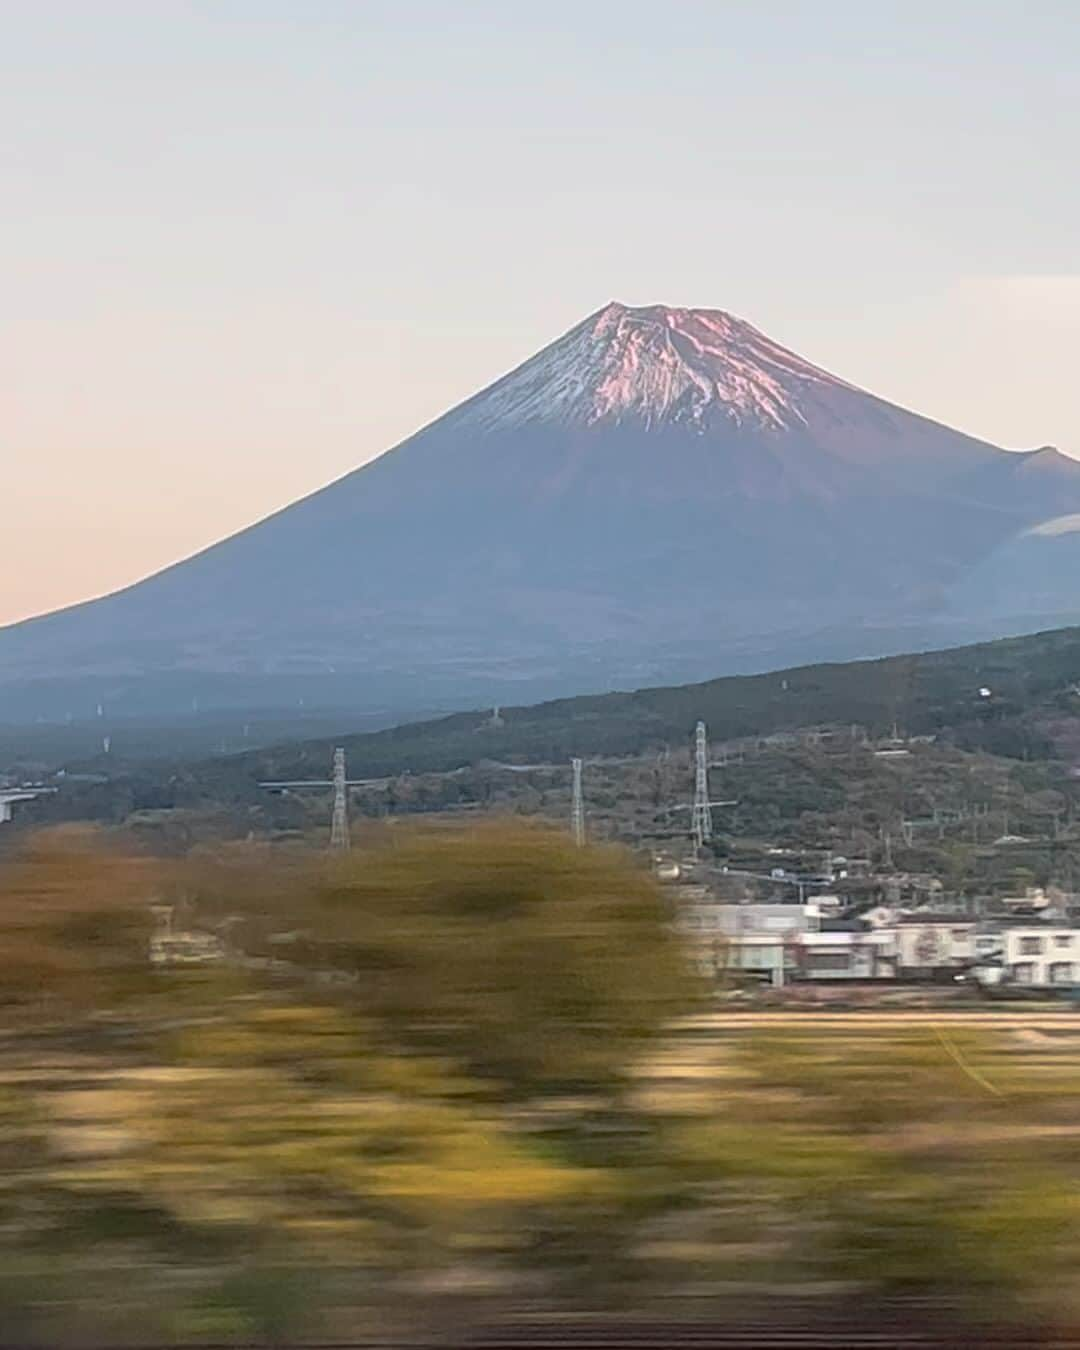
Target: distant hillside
x=921, y=693
x=1030, y=712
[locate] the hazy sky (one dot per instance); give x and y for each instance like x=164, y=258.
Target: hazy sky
x=248, y=246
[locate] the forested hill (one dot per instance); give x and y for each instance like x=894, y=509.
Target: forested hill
x=921, y=693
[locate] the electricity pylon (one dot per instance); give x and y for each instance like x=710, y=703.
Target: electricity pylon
x=339, y=823
x=701, y=817
x=577, y=806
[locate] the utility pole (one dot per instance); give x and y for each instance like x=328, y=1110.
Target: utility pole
x=339, y=824
x=577, y=806
x=701, y=819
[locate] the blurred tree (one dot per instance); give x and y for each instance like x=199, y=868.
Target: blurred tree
x=537, y=965
x=446, y=1063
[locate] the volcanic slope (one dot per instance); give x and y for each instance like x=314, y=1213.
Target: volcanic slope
x=659, y=494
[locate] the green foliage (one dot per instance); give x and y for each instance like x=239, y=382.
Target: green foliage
x=536, y=965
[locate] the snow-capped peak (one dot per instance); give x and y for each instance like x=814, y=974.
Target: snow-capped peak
x=651, y=365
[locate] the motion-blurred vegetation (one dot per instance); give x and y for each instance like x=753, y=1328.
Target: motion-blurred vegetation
x=447, y=1074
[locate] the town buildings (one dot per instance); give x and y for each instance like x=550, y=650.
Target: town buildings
x=779, y=944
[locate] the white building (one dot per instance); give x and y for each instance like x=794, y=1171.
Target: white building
x=758, y=941
x=927, y=943
x=705, y=917
x=1041, y=954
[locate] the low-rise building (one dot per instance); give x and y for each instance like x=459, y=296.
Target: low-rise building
x=755, y=940
x=781, y=943
x=932, y=945
x=704, y=917
x=1041, y=954
x=855, y=953
x=769, y=957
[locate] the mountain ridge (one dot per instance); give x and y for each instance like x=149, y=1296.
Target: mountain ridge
x=921, y=692
x=656, y=480
x=1031, y=682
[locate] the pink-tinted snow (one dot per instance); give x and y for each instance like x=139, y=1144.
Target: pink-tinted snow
x=653, y=365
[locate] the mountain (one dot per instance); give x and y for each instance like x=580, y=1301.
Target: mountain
x=659, y=494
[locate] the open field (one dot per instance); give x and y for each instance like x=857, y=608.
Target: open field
x=1064, y=1022
x=1002, y=1053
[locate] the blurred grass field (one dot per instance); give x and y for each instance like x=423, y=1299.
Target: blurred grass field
x=470, y=1075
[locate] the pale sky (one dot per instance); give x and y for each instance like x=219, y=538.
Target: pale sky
x=249, y=244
